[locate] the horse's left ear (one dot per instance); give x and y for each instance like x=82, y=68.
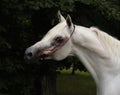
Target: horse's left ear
x=69, y=21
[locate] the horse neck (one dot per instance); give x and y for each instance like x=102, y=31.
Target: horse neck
x=94, y=56
x=89, y=50
x=87, y=40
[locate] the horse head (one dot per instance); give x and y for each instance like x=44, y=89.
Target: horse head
x=56, y=44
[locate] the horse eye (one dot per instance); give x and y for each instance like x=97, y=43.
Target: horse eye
x=58, y=39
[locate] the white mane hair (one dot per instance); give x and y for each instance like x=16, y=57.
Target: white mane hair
x=111, y=44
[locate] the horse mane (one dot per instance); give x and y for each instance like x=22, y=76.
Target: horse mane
x=110, y=43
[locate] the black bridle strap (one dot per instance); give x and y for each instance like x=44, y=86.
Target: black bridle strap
x=72, y=31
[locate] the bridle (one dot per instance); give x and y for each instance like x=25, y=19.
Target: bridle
x=72, y=31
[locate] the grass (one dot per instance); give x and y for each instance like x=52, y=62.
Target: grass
x=79, y=84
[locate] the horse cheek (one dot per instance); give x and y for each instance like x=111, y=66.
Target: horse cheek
x=62, y=53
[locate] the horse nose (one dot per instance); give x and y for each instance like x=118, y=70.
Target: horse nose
x=28, y=54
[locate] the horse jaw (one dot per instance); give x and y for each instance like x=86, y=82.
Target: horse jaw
x=63, y=52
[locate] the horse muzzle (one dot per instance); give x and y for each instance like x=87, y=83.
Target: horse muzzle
x=37, y=54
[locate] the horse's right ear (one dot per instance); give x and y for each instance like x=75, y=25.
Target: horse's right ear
x=60, y=17
x=69, y=21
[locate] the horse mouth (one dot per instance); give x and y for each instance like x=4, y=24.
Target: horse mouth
x=45, y=54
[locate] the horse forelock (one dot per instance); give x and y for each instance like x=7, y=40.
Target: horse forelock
x=111, y=43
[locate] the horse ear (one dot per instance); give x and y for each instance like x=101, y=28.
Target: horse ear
x=69, y=21
x=60, y=17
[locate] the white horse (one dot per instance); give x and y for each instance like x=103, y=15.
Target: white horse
x=99, y=52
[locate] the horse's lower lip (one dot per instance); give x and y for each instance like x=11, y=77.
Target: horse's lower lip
x=44, y=55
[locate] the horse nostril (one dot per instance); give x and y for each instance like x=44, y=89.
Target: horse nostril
x=29, y=54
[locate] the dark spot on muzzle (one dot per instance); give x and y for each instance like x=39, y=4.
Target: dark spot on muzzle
x=28, y=55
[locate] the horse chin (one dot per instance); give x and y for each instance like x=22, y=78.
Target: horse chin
x=44, y=58
x=45, y=55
